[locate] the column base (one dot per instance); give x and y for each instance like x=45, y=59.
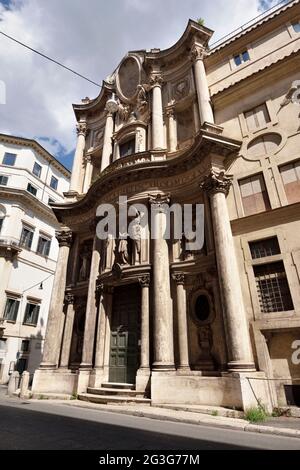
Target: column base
x=85, y=366
x=239, y=366
x=162, y=366
x=143, y=377
x=47, y=366
x=96, y=378
x=183, y=368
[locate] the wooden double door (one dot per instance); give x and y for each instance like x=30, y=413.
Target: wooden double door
x=125, y=334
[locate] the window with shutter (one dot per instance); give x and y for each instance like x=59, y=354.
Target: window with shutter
x=31, y=314
x=11, y=309
x=290, y=175
x=257, y=117
x=254, y=195
x=26, y=237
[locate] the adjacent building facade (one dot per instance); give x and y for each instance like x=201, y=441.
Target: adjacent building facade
x=189, y=125
x=30, y=180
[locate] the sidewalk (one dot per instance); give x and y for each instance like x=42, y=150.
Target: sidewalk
x=289, y=427
x=204, y=415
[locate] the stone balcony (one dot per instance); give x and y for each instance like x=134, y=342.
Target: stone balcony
x=9, y=247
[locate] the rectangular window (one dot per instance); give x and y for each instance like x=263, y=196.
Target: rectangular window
x=272, y=288
x=31, y=189
x=257, y=117
x=3, y=180
x=37, y=170
x=290, y=175
x=50, y=200
x=31, y=314
x=25, y=345
x=128, y=148
x=239, y=59
x=11, y=309
x=254, y=195
x=54, y=182
x=26, y=237
x=263, y=248
x=296, y=27
x=9, y=159
x=43, y=247
x=3, y=344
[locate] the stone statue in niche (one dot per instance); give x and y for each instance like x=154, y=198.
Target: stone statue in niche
x=142, y=100
x=135, y=234
x=124, y=112
x=181, y=89
x=122, y=254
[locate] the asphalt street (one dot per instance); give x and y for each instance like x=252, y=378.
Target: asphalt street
x=49, y=426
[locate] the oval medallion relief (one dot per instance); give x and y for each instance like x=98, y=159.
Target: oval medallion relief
x=266, y=144
x=128, y=78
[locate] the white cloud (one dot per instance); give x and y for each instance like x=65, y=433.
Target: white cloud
x=90, y=37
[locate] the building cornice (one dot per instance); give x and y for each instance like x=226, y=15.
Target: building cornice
x=23, y=142
x=254, y=30
x=259, y=74
x=142, y=167
x=25, y=198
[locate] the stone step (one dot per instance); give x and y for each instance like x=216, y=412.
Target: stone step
x=118, y=385
x=125, y=392
x=112, y=399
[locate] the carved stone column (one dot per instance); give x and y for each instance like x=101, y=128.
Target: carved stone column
x=163, y=316
x=206, y=114
x=172, y=129
x=55, y=319
x=91, y=309
x=217, y=186
x=88, y=173
x=158, y=138
x=182, y=321
x=107, y=140
x=75, y=184
x=145, y=327
x=68, y=331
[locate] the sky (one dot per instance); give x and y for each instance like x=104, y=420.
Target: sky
x=90, y=36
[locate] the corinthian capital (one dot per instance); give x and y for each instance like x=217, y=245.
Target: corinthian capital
x=158, y=200
x=81, y=128
x=64, y=237
x=178, y=278
x=197, y=52
x=156, y=79
x=216, y=183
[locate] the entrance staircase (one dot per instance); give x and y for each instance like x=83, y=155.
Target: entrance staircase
x=114, y=393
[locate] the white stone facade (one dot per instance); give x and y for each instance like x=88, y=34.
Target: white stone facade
x=191, y=124
x=27, y=266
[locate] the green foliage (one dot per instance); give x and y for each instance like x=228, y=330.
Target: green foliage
x=215, y=413
x=200, y=21
x=74, y=396
x=256, y=414
x=277, y=412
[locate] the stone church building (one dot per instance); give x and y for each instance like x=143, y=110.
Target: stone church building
x=148, y=319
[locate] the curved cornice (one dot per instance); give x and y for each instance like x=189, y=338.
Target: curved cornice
x=193, y=29
x=141, y=167
x=23, y=142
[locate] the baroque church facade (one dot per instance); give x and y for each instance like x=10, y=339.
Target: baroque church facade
x=191, y=124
